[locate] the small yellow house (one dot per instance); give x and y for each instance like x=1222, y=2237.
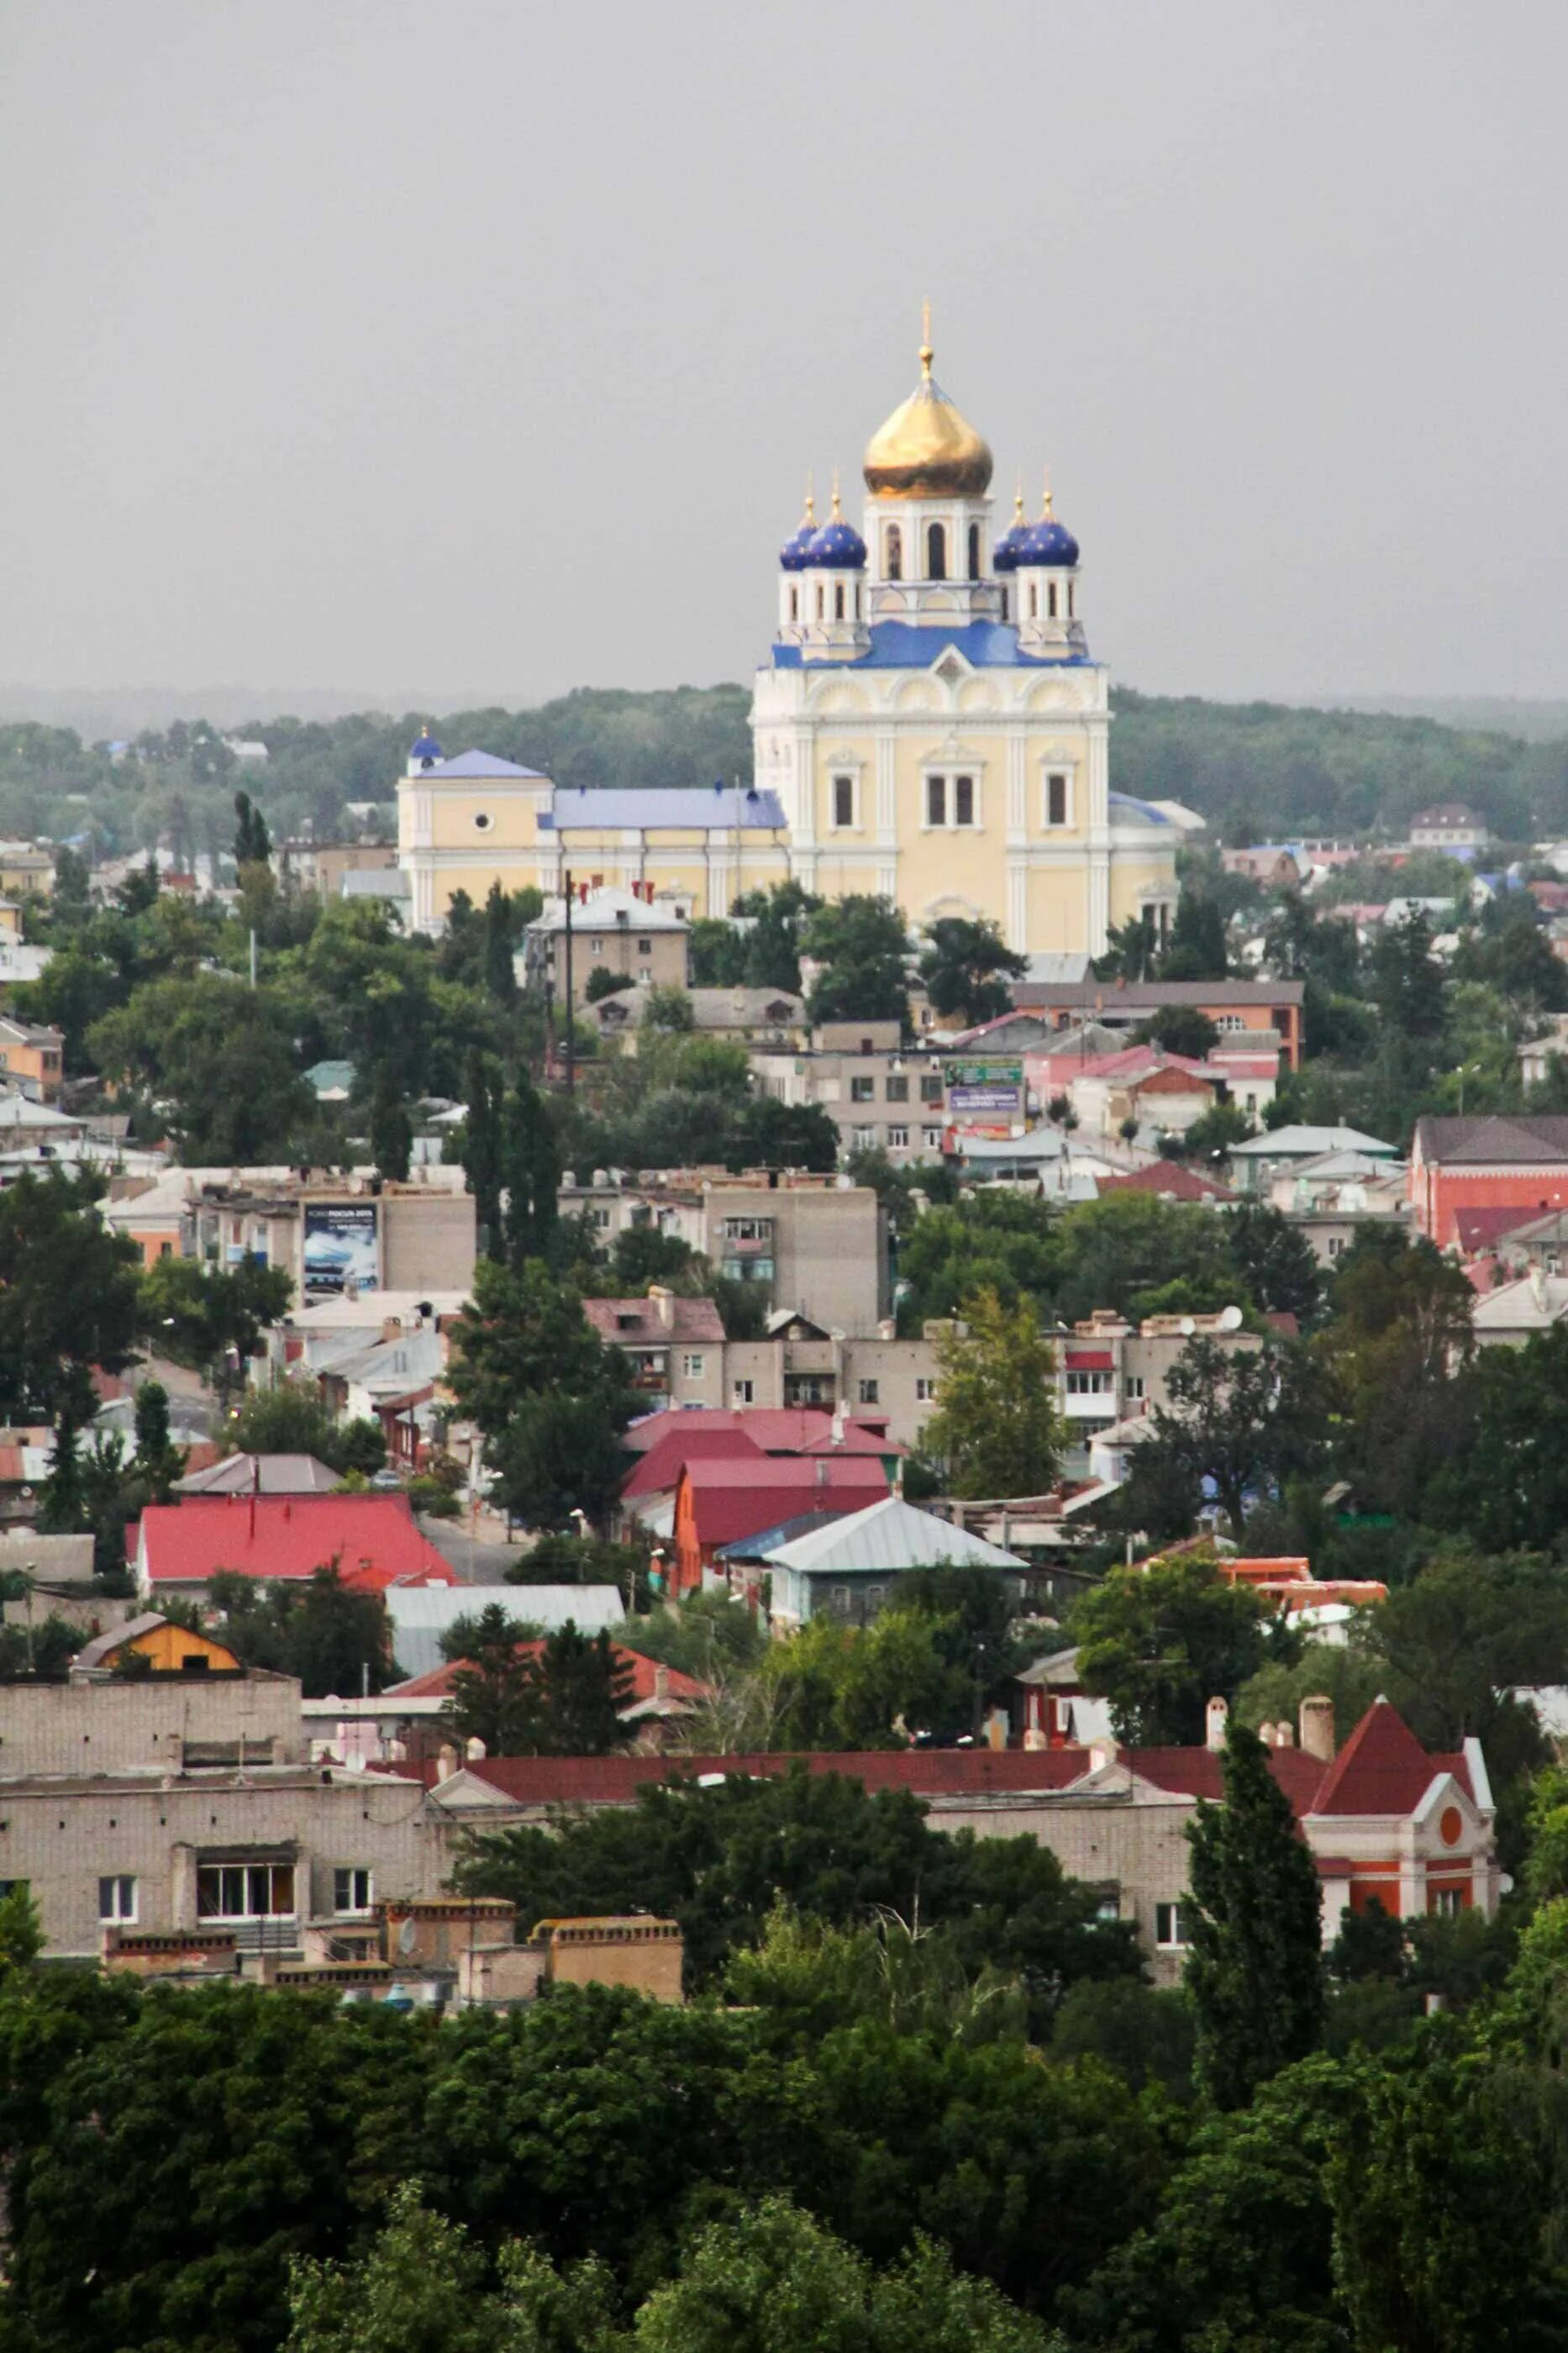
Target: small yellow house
x=168, y=1650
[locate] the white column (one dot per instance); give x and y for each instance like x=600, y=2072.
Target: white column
x=1018, y=905
x=1099, y=902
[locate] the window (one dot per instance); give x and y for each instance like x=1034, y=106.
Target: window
x=862, y=1139
x=898, y=1089
x=117, y=1898
x=964, y=800
x=794, y=604
x=893, y=552
x=844, y=800
x=821, y=607
x=869, y=1393
x=1051, y=601
x=838, y=601
x=747, y=1270
x=925, y=1389
x=936, y=800
x=930, y=1087
x=1227, y=1024
x=974, y=551
x=1056, y=799
x=1171, y=1926
x=1088, y=1384
x=897, y=1139
x=645, y=947
x=745, y=1392
x=1336, y=1244
x=12, y=1886
x=1447, y=1902
x=600, y=1221
x=748, y=1229
x=1034, y=600
x=244, y=1891
x=932, y=1138
x=1133, y=1387
x=483, y=821
x=936, y=550
x=693, y=1364
x=350, y=1888
x=1006, y=606
x=862, y=1089
x=1072, y=599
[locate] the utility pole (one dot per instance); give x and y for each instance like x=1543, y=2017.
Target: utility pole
x=571, y=1012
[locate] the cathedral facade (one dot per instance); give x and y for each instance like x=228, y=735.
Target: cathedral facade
x=929, y=726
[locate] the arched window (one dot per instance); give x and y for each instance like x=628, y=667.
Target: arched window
x=820, y=607
x=794, y=604
x=1051, y=600
x=936, y=550
x=974, y=551
x=894, y=546
x=1071, y=604
x=1034, y=600
x=1006, y=606
x=838, y=600
x=856, y=600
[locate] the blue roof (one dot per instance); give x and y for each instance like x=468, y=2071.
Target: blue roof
x=903, y=645
x=644, y=808
x=1144, y=809
x=483, y=763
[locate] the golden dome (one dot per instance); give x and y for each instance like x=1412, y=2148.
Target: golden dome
x=926, y=450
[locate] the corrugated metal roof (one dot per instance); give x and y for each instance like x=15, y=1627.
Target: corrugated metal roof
x=891, y=1534
x=420, y=1614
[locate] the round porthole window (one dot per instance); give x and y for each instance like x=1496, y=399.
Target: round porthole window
x=483, y=822
x=1450, y=1826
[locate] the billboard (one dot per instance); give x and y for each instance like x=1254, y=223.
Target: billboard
x=985, y=1073
x=340, y=1247
x=985, y=1102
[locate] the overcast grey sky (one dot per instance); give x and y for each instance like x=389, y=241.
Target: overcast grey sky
x=384, y=344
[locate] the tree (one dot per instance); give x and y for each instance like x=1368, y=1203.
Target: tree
x=482, y=1149
x=158, y=1459
x=1507, y=1484
x=218, y=1057
x=1180, y=1029
x=997, y=1425
x=1275, y=1261
x=602, y=983
x=333, y=1638
x=763, y=1132
x=492, y=1692
x=1244, y=1420
x=771, y=955
x=1255, y=1975
x=196, y=1313
x=1131, y=950
x=1399, y=1328
x=529, y=1170
x=1196, y=950
x=559, y=1453
x=577, y=1687
x=670, y=1010
x=859, y=945
x=551, y=1398
x=1406, y=978
x=965, y=969
x=252, y=842
x=501, y=948
x=68, y=1299
x=1159, y=1642
x=288, y=1417
x=391, y=1131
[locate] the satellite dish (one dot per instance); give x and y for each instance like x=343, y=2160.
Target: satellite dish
x=1230, y=1320
x=1188, y=1327
x=408, y=1936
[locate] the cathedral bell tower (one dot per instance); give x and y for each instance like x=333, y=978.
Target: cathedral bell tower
x=928, y=514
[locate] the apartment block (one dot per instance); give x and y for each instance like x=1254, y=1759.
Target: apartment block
x=880, y=1095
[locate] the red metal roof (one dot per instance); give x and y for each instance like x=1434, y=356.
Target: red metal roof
x=1197, y=1772
x=777, y=1430
x=1088, y=1360
x=660, y=1466
x=373, y=1538
x=730, y=1500
x=1384, y=1769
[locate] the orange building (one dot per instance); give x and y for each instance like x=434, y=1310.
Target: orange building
x=30, y=1057
x=1514, y=1161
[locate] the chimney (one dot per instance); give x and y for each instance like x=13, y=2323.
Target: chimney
x=661, y=1682
x=1100, y=1755
x=664, y=1304
x=1284, y=1735
x=839, y=1412
x=1318, y=1728
x=446, y=1763
x=1215, y=1717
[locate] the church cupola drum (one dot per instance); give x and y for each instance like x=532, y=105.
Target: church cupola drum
x=931, y=718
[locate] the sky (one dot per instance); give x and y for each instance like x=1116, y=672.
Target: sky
x=384, y=348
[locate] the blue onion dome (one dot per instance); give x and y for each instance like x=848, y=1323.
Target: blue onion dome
x=1047, y=541
x=838, y=546
x=1004, y=554
x=424, y=746
x=794, y=554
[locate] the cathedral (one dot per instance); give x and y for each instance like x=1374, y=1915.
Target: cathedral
x=930, y=726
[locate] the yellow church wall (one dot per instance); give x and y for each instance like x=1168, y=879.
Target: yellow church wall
x=1132, y=881
x=1059, y=907
x=513, y=822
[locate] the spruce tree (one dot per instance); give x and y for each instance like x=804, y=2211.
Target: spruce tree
x=500, y=971
x=481, y=1153
x=252, y=842
x=1256, y=1974
x=391, y=1131
x=530, y=1173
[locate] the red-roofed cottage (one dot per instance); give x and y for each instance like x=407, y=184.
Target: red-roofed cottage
x=375, y=1539
x=719, y=1502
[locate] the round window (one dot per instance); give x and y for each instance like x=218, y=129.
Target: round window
x=1450, y=1826
x=483, y=822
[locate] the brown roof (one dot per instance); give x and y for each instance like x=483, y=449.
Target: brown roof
x=1172, y=1179
x=638, y=1321
x=1149, y=994
x=1525, y=1140
x=1384, y=1769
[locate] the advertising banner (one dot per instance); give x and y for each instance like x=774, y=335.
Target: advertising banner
x=340, y=1246
x=985, y=1101
x=985, y=1073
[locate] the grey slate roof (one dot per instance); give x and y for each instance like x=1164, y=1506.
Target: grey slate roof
x=1527, y=1140
x=889, y=1535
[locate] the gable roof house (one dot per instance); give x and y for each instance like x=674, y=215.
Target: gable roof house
x=674, y=1347
x=717, y=1501
x=178, y=1548
x=850, y=1567
x=1486, y=1161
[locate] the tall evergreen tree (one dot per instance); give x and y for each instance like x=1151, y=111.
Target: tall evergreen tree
x=1256, y=1975
x=481, y=1152
x=500, y=973
x=530, y=1173
x=252, y=842
x=391, y=1130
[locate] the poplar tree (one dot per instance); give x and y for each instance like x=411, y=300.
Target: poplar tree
x=1255, y=1977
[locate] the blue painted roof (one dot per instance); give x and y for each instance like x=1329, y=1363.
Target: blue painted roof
x=482, y=764
x=903, y=645
x=1145, y=810
x=689, y=808
x=836, y=547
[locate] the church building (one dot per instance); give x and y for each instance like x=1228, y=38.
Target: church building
x=930, y=726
